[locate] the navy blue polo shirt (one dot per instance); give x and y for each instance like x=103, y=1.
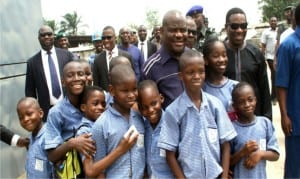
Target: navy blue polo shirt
x=163, y=69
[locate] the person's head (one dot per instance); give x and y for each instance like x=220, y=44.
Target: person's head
x=174, y=32
x=244, y=100
x=192, y=32
x=156, y=32
x=93, y=102
x=192, y=70
x=123, y=87
x=133, y=37
x=73, y=79
x=206, y=22
x=297, y=15
x=288, y=13
x=46, y=37
x=30, y=114
x=124, y=35
x=149, y=101
x=109, y=38
x=87, y=71
x=142, y=32
x=119, y=60
x=196, y=12
x=62, y=41
x=236, y=27
x=215, y=57
x=273, y=22
x=97, y=41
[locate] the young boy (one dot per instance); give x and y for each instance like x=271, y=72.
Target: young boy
x=196, y=130
x=30, y=115
x=117, y=122
x=87, y=71
x=149, y=102
x=256, y=141
x=65, y=117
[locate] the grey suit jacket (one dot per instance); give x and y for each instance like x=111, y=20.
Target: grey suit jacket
x=36, y=84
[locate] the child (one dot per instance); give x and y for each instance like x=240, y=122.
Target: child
x=256, y=141
x=112, y=126
x=88, y=72
x=65, y=117
x=30, y=115
x=216, y=83
x=196, y=130
x=149, y=102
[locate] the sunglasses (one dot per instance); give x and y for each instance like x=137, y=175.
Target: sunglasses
x=193, y=32
x=46, y=33
x=235, y=26
x=107, y=37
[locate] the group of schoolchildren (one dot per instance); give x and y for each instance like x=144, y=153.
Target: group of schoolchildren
x=126, y=134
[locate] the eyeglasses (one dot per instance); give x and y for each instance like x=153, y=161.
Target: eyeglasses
x=43, y=34
x=193, y=32
x=235, y=26
x=107, y=37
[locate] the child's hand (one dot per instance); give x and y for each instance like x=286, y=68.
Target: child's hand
x=250, y=147
x=127, y=142
x=85, y=145
x=253, y=159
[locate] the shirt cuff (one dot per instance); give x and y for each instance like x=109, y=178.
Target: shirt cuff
x=14, y=140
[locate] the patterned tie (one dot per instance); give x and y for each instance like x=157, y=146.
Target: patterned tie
x=54, y=78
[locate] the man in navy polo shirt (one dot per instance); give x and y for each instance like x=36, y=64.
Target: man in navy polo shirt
x=162, y=67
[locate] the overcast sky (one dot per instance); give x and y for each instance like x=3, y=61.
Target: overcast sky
x=118, y=13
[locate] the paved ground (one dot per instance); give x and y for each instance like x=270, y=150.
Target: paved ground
x=275, y=169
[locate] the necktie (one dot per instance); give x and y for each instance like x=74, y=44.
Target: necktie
x=54, y=78
x=142, y=49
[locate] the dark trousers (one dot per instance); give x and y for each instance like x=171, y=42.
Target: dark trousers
x=272, y=70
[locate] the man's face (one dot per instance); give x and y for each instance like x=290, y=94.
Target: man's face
x=199, y=19
x=63, y=42
x=236, y=29
x=125, y=36
x=46, y=38
x=142, y=32
x=109, y=39
x=273, y=22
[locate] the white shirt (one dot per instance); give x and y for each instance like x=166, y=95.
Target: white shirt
x=53, y=100
x=145, y=49
x=114, y=54
x=285, y=34
x=268, y=38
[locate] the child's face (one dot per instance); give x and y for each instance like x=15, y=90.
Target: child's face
x=150, y=104
x=94, y=106
x=74, y=78
x=88, y=73
x=217, y=59
x=193, y=74
x=124, y=93
x=30, y=116
x=245, y=102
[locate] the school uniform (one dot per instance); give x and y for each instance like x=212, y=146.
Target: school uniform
x=63, y=119
x=157, y=166
x=37, y=164
x=85, y=126
x=262, y=131
x=108, y=131
x=196, y=135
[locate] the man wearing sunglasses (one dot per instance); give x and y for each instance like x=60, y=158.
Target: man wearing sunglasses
x=245, y=61
x=44, y=70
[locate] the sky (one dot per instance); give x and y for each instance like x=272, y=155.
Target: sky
x=96, y=14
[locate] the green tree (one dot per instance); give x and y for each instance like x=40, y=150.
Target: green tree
x=53, y=24
x=274, y=8
x=71, y=23
x=152, y=18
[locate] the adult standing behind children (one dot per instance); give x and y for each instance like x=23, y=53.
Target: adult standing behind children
x=288, y=95
x=101, y=63
x=147, y=47
x=162, y=67
x=245, y=61
x=44, y=70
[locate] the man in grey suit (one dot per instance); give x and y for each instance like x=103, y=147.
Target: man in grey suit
x=44, y=67
x=147, y=48
x=101, y=63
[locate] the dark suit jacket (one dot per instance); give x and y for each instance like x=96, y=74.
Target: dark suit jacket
x=36, y=84
x=6, y=134
x=152, y=48
x=100, y=71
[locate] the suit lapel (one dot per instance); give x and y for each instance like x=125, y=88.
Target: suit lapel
x=40, y=67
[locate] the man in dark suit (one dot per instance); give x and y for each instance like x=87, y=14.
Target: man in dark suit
x=11, y=138
x=147, y=48
x=101, y=63
x=44, y=67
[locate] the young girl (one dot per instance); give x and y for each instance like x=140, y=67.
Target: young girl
x=216, y=83
x=256, y=141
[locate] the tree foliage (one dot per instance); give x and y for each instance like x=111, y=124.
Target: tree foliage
x=274, y=8
x=53, y=24
x=152, y=18
x=71, y=23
